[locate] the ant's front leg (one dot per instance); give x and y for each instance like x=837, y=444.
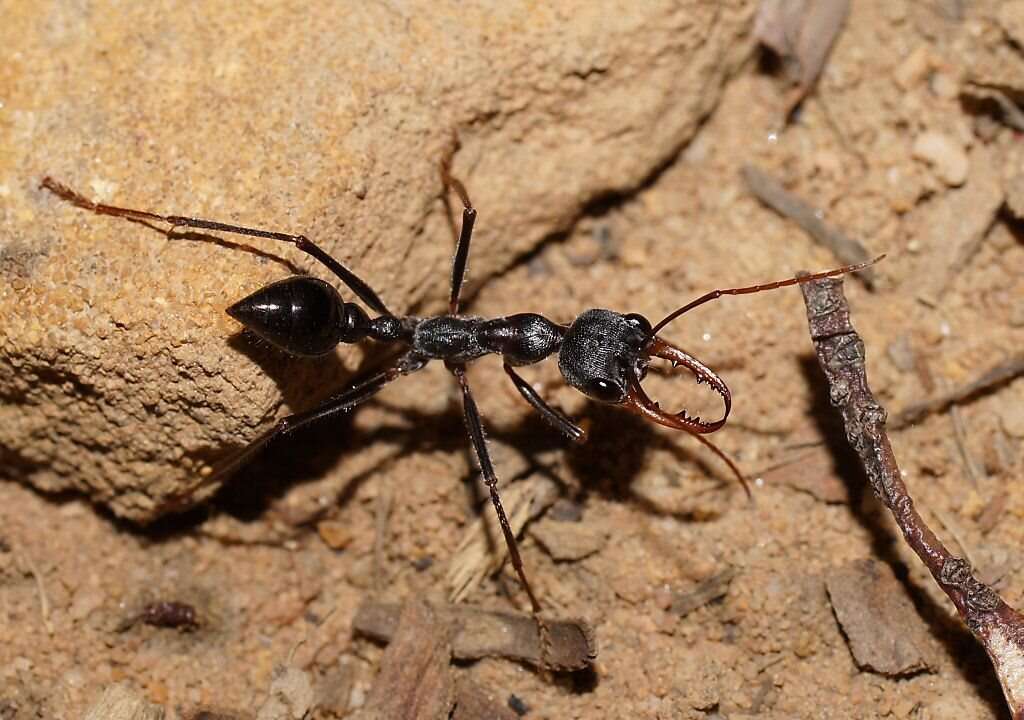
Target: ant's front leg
x=557, y=419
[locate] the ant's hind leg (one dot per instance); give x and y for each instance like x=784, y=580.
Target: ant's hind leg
x=303, y=243
x=465, y=234
x=338, y=404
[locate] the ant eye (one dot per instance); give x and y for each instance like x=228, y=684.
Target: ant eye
x=639, y=322
x=605, y=391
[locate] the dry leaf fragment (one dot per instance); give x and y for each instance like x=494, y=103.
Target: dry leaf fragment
x=802, y=33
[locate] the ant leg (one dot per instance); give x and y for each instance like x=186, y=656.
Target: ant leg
x=555, y=418
x=715, y=294
x=476, y=434
x=303, y=243
x=465, y=235
x=337, y=404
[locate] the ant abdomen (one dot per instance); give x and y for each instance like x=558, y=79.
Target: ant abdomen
x=301, y=315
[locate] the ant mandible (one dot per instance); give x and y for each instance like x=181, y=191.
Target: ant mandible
x=602, y=353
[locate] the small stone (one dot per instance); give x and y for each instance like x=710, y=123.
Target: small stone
x=946, y=156
x=914, y=68
x=568, y=542
x=1011, y=417
x=334, y=534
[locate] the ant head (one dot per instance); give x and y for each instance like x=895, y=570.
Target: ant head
x=605, y=355
x=301, y=315
x=601, y=350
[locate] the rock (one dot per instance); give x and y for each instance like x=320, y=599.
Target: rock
x=119, y=373
x=1015, y=195
x=569, y=541
x=946, y=156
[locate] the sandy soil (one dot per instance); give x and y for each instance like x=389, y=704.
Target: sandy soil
x=375, y=507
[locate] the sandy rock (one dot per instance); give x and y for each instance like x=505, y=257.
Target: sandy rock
x=1011, y=19
x=945, y=155
x=118, y=370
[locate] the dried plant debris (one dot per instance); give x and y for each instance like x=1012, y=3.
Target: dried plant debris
x=995, y=376
x=706, y=591
x=884, y=632
x=291, y=695
x=123, y=702
x=771, y=192
x=481, y=551
x=841, y=354
x=415, y=680
x=812, y=472
x=801, y=33
x=480, y=633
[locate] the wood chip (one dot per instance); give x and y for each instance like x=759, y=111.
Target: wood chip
x=882, y=628
x=480, y=633
x=415, y=680
x=704, y=592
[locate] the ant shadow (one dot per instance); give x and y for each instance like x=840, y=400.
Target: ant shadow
x=871, y=514
x=607, y=465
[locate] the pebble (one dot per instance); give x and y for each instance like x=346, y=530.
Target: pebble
x=1011, y=417
x=946, y=156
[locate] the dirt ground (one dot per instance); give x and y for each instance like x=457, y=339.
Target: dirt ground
x=375, y=507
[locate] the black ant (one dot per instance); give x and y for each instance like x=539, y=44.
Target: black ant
x=603, y=353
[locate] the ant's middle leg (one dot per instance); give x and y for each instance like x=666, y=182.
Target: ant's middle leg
x=303, y=243
x=476, y=435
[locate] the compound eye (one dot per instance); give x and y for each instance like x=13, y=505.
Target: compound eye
x=605, y=390
x=639, y=322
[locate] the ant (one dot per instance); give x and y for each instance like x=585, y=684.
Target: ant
x=602, y=353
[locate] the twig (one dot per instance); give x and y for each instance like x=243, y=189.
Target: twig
x=996, y=625
x=770, y=191
x=382, y=513
x=991, y=378
x=960, y=436
x=481, y=633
